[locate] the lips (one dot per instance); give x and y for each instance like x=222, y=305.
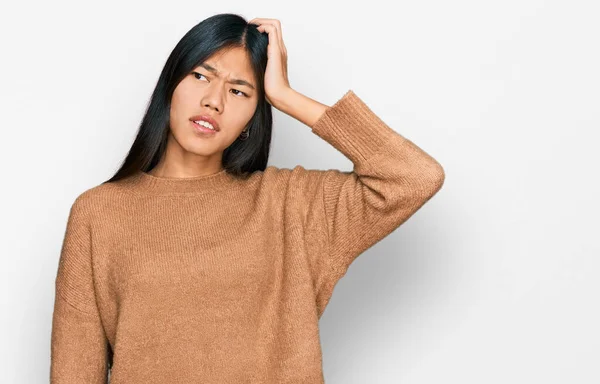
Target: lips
x=208, y=119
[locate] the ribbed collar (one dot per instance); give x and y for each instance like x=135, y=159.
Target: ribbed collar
x=144, y=183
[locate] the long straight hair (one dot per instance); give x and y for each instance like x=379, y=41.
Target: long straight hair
x=218, y=32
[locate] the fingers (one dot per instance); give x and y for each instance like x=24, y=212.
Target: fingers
x=260, y=21
x=273, y=34
x=279, y=31
x=273, y=28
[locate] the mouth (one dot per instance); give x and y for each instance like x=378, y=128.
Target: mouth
x=203, y=128
x=206, y=122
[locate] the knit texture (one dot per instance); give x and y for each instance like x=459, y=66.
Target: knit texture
x=218, y=279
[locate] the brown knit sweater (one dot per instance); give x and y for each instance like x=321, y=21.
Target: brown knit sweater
x=215, y=279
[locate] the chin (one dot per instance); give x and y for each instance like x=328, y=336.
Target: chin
x=202, y=149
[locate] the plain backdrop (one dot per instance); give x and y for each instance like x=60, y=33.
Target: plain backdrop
x=494, y=280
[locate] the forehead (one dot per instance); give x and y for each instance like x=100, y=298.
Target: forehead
x=231, y=62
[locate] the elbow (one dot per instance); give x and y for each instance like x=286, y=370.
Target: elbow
x=433, y=180
x=429, y=182
x=438, y=176
x=406, y=194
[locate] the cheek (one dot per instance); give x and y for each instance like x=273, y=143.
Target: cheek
x=242, y=118
x=181, y=106
x=246, y=112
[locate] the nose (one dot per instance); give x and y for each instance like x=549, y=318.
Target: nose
x=213, y=98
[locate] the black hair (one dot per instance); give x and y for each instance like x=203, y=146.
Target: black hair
x=218, y=32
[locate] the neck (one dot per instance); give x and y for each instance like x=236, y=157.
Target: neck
x=176, y=171
x=182, y=174
x=151, y=184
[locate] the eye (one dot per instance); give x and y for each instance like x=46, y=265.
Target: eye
x=196, y=74
x=235, y=90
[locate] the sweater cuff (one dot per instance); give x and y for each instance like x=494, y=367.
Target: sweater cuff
x=353, y=128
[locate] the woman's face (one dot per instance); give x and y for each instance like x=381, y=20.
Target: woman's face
x=216, y=88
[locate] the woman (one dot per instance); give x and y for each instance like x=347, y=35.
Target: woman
x=197, y=262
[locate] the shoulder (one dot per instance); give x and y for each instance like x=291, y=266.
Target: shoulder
x=298, y=183
x=295, y=175
x=95, y=201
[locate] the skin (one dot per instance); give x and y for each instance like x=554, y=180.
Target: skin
x=203, y=92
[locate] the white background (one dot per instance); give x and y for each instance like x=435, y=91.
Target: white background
x=494, y=280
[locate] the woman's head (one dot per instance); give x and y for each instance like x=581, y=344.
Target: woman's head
x=216, y=69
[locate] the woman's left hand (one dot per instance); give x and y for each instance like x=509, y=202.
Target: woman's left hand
x=277, y=84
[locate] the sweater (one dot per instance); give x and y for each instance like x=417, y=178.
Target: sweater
x=222, y=279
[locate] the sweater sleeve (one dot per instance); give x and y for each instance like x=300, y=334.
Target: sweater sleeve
x=391, y=179
x=79, y=347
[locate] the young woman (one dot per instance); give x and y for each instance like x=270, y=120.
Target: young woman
x=198, y=263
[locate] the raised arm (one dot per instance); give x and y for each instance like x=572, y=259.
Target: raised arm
x=79, y=348
x=391, y=179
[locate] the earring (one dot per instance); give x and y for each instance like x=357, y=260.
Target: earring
x=244, y=135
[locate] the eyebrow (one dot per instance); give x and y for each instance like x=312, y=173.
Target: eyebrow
x=233, y=81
